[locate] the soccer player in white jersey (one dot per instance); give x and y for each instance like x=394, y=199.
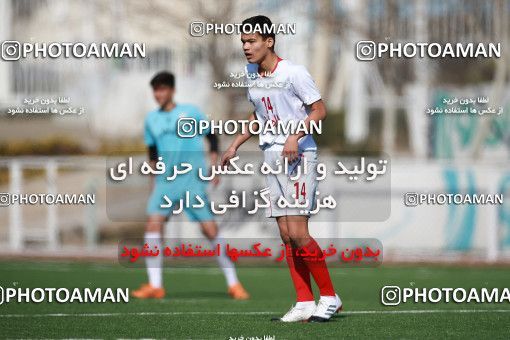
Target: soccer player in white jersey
x=297, y=99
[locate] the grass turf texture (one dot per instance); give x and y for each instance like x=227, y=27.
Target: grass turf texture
x=197, y=307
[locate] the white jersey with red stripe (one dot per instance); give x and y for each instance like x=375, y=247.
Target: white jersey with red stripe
x=285, y=95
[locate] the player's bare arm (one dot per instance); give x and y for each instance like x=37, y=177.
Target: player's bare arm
x=317, y=113
x=213, y=155
x=238, y=141
x=153, y=157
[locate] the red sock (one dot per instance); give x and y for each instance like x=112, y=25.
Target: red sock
x=318, y=268
x=300, y=275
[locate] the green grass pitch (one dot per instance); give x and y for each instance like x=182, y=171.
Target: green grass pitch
x=197, y=307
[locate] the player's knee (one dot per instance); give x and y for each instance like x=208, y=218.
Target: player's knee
x=153, y=226
x=298, y=239
x=209, y=230
x=285, y=237
x=293, y=235
x=209, y=234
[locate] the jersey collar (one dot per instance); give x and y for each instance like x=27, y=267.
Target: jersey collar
x=274, y=68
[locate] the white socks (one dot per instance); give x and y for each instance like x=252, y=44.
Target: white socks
x=154, y=263
x=226, y=265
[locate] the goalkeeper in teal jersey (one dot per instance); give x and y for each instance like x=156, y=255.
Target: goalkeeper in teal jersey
x=163, y=135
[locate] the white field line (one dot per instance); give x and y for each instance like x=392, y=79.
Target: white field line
x=359, y=312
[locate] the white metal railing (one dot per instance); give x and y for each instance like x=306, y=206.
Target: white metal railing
x=402, y=181
x=51, y=165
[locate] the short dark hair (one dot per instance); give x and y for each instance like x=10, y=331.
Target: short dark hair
x=262, y=21
x=163, y=78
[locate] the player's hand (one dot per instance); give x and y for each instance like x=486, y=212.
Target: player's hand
x=227, y=156
x=290, y=149
x=214, y=160
x=215, y=181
